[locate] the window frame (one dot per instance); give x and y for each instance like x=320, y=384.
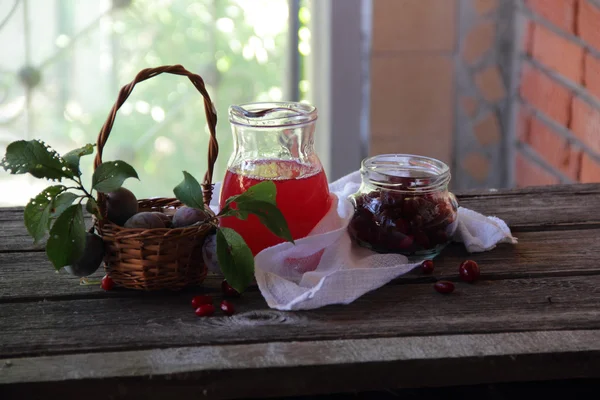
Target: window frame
x=339, y=76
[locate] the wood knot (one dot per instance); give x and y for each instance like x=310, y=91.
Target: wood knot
x=258, y=317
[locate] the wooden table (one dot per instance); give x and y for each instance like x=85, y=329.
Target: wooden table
x=535, y=315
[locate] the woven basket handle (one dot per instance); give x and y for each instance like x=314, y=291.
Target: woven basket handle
x=209, y=109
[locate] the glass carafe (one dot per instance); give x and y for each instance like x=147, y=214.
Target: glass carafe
x=275, y=141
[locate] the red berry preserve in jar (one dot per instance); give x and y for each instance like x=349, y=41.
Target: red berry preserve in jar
x=404, y=206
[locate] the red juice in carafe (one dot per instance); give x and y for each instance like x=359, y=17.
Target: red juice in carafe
x=302, y=197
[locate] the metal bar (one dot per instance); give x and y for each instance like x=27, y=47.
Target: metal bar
x=366, y=32
x=521, y=7
x=345, y=86
x=577, y=89
x=532, y=155
x=560, y=130
x=595, y=3
x=513, y=105
x=292, y=90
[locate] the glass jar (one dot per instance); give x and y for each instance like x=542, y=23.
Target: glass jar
x=403, y=206
x=275, y=141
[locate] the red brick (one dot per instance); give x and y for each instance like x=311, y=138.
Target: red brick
x=554, y=149
x=523, y=125
x=529, y=174
x=528, y=37
x=585, y=123
x=558, y=53
x=590, y=170
x=546, y=95
x=560, y=12
x=591, y=78
x=588, y=23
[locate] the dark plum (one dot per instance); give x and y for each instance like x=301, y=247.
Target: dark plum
x=120, y=206
x=145, y=220
x=90, y=260
x=186, y=216
x=164, y=217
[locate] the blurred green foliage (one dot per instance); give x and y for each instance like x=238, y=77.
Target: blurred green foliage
x=161, y=130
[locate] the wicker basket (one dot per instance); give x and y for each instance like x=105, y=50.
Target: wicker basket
x=155, y=259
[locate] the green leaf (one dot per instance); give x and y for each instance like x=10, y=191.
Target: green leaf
x=67, y=237
x=264, y=191
x=110, y=175
x=92, y=207
x=189, y=192
x=72, y=157
x=36, y=158
x=270, y=216
x=235, y=259
x=62, y=202
x=38, y=210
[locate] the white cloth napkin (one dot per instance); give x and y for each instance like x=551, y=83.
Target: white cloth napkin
x=326, y=267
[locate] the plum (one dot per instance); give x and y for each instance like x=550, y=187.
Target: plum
x=164, y=217
x=145, y=220
x=186, y=216
x=92, y=257
x=120, y=206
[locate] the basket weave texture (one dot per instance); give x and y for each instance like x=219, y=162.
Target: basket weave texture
x=166, y=258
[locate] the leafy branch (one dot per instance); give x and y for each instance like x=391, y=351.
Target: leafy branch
x=234, y=256
x=56, y=213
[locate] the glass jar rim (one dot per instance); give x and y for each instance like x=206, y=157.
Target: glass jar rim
x=382, y=168
x=272, y=114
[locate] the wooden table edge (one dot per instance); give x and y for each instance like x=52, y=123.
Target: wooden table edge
x=283, y=368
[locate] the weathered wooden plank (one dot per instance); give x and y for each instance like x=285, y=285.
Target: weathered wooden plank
x=539, y=211
x=14, y=237
x=29, y=276
x=280, y=369
x=581, y=188
x=530, y=209
x=146, y=321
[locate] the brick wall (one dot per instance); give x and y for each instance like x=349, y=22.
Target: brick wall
x=438, y=87
x=558, y=129
x=505, y=91
x=412, y=77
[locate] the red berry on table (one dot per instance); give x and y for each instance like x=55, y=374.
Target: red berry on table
x=444, y=287
x=227, y=307
x=427, y=267
x=205, y=310
x=469, y=271
x=229, y=291
x=107, y=283
x=197, y=301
